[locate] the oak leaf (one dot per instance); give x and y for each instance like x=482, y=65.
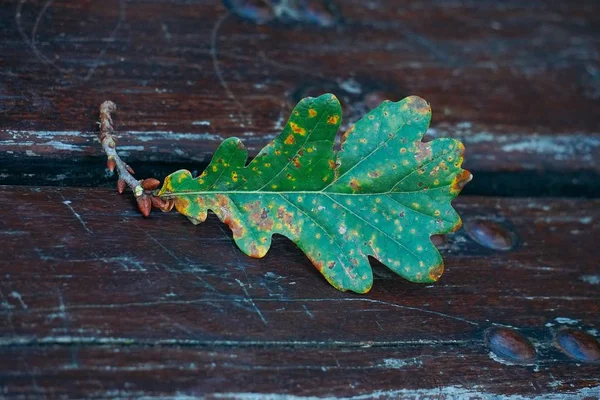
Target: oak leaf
x=383, y=194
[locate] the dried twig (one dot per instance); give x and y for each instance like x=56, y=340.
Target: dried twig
x=142, y=189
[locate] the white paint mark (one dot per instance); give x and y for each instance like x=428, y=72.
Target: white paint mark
x=58, y=145
x=566, y=321
x=501, y=360
x=439, y=392
x=350, y=86
x=397, y=363
x=166, y=32
x=201, y=123
x=591, y=279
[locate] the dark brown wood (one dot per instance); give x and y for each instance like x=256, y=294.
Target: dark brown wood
x=518, y=83
x=98, y=300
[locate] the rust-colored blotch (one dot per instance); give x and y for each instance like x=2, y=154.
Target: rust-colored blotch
x=436, y=272
x=490, y=234
x=510, y=345
x=578, y=345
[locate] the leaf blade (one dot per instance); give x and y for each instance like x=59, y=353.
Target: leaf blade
x=382, y=195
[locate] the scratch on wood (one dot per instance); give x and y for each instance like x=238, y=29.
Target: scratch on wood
x=216, y=66
x=381, y=302
x=17, y=296
x=9, y=314
x=31, y=41
x=308, y=312
x=68, y=204
x=252, y=303
x=62, y=311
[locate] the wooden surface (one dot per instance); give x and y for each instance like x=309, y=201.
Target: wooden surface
x=89, y=310
x=98, y=302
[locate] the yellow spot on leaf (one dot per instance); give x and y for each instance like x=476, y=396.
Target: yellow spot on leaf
x=312, y=113
x=297, y=129
x=290, y=140
x=333, y=119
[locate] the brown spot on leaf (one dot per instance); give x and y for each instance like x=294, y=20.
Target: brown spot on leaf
x=436, y=272
x=234, y=224
x=418, y=105
x=374, y=174
x=264, y=213
x=286, y=219
x=345, y=135
x=461, y=180
x=423, y=151
x=354, y=184
x=254, y=251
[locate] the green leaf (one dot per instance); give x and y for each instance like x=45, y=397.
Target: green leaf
x=382, y=195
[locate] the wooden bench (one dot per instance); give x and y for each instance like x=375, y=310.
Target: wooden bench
x=99, y=302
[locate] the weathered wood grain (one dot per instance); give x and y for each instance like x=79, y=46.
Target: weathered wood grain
x=96, y=301
x=120, y=301
x=518, y=82
x=432, y=372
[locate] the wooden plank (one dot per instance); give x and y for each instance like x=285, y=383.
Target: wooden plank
x=137, y=300
x=412, y=372
x=517, y=82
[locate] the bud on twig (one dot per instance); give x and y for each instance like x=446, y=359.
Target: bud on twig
x=141, y=189
x=121, y=186
x=144, y=205
x=150, y=184
x=111, y=164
